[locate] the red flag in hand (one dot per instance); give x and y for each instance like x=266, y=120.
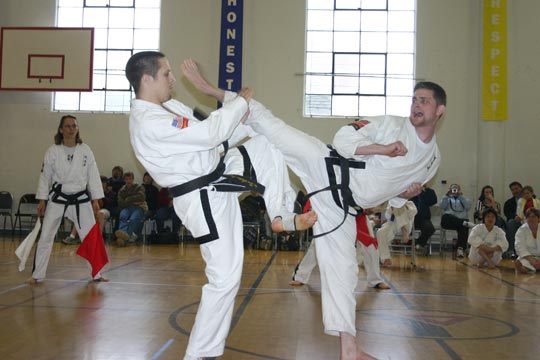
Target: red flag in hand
x=363, y=233
x=93, y=249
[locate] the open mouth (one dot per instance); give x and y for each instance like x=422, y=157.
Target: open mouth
x=418, y=114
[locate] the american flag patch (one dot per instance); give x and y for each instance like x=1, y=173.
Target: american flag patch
x=358, y=124
x=180, y=122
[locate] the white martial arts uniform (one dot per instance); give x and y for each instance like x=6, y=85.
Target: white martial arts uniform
x=79, y=174
x=527, y=245
x=369, y=255
x=480, y=235
x=383, y=179
x=175, y=147
x=396, y=218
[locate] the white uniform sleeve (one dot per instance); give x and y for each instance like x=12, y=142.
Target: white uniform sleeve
x=521, y=241
x=475, y=237
x=242, y=131
x=359, y=133
x=46, y=175
x=397, y=202
x=198, y=136
x=501, y=239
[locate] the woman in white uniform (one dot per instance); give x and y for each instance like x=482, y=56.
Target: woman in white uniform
x=528, y=243
x=71, y=183
x=487, y=240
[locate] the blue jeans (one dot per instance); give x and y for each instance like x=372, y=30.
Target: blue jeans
x=131, y=220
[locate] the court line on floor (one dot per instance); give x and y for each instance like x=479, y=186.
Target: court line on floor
x=498, y=278
x=163, y=348
x=251, y=292
x=444, y=345
x=71, y=283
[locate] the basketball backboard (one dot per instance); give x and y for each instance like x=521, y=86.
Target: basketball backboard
x=46, y=59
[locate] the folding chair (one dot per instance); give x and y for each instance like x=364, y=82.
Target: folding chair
x=27, y=209
x=6, y=207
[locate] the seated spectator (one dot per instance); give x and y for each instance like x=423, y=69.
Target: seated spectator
x=397, y=220
x=152, y=195
x=116, y=181
x=166, y=211
x=510, y=212
x=422, y=221
x=528, y=243
x=487, y=200
x=132, y=205
x=488, y=241
x=455, y=208
x=107, y=204
x=528, y=200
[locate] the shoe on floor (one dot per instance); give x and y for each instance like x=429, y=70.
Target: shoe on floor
x=460, y=253
x=71, y=241
x=121, y=234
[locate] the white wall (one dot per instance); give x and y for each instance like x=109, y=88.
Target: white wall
x=474, y=152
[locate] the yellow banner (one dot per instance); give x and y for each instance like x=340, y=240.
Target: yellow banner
x=494, y=70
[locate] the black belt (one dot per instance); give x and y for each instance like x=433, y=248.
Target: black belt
x=204, y=180
x=230, y=183
x=59, y=197
x=346, y=200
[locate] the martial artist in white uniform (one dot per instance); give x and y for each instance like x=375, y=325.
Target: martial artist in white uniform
x=176, y=148
x=75, y=169
x=412, y=159
x=528, y=243
x=365, y=253
x=488, y=241
x=398, y=220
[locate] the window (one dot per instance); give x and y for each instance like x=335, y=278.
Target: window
x=359, y=57
x=121, y=28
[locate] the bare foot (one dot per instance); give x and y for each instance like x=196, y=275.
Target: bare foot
x=31, y=281
x=520, y=268
x=381, y=286
x=305, y=221
x=349, y=349
x=190, y=69
x=301, y=222
x=386, y=263
x=296, y=283
x=363, y=355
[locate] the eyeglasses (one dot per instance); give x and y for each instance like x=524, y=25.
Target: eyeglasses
x=74, y=126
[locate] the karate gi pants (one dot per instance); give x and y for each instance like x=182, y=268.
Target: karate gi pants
x=51, y=221
x=335, y=251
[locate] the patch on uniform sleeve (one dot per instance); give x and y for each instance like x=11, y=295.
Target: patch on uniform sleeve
x=180, y=122
x=358, y=124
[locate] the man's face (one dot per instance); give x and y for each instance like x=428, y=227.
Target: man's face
x=424, y=109
x=516, y=190
x=162, y=84
x=128, y=180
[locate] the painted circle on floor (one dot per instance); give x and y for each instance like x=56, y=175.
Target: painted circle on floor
x=433, y=324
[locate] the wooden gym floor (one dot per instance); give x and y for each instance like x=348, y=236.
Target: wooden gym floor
x=445, y=309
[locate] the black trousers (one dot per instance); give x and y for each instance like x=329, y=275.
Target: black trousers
x=426, y=230
x=451, y=222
